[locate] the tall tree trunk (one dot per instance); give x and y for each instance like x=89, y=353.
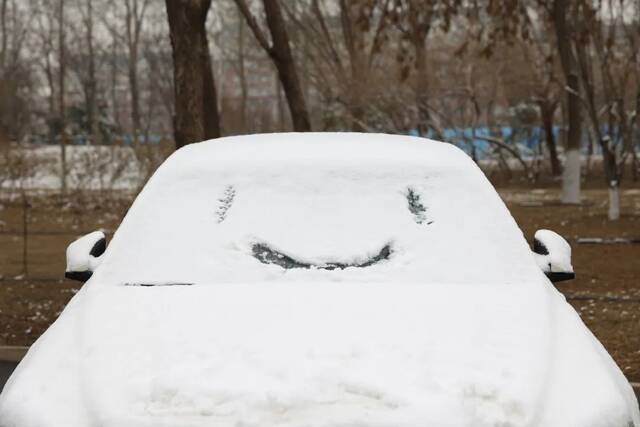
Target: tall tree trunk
x=546, y=113
x=211, y=116
x=564, y=35
x=195, y=97
x=421, y=84
x=114, y=83
x=355, y=41
x=280, y=119
x=135, y=93
x=609, y=152
x=282, y=58
x=3, y=33
x=134, y=18
x=92, y=109
x=50, y=76
x=61, y=102
x=244, y=91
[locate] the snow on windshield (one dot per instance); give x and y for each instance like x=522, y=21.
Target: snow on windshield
x=339, y=207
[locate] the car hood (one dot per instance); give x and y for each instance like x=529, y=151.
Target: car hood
x=318, y=354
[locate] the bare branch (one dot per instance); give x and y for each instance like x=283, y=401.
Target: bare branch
x=255, y=27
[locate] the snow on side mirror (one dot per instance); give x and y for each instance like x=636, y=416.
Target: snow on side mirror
x=553, y=255
x=84, y=256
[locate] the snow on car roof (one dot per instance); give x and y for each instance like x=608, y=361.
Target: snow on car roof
x=326, y=206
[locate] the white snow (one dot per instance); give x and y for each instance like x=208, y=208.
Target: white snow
x=78, y=253
x=318, y=198
x=558, y=260
x=89, y=167
x=459, y=327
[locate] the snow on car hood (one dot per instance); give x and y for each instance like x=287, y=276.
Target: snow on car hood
x=318, y=354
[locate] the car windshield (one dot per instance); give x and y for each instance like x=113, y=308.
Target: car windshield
x=319, y=207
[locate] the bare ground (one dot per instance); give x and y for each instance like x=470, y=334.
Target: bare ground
x=606, y=292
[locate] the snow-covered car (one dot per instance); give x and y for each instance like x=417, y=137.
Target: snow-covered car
x=318, y=280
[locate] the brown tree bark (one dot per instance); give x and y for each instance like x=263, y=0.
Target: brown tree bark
x=113, y=69
x=564, y=33
x=350, y=15
x=211, y=116
x=570, y=69
x=92, y=85
x=242, y=74
x=546, y=112
x=282, y=57
x=61, y=92
x=3, y=33
x=135, y=12
x=196, y=108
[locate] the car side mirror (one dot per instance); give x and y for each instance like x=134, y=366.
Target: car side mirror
x=84, y=256
x=553, y=255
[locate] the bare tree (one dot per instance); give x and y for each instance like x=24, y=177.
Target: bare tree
x=161, y=86
x=4, y=31
x=134, y=14
x=539, y=49
x=279, y=50
x=91, y=82
x=242, y=72
x=195, y=92
x=564, y=22
x=415, y=19
x=61, y=94
x=602, y=54
x=135, y=11
x=81, y=63
x=113, y=72
x=15, y=74
x=345, y=41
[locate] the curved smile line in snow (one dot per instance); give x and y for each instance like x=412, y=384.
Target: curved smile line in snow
x=268, y=255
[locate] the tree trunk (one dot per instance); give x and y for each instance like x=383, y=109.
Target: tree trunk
x=114, y=84
x=135, y=97
x=280, y=121
x=283, y=59
x=211, y=116
x=546, y=113
x=196, y=107
x=61, y=102
x=614, y=201
x=571, y=177
x=421, y=85
x=280, y=53
x=3, y=32
x=612, y=174
x=354, y=37
x=244, y=91
x=50, y=76
x=92, y=109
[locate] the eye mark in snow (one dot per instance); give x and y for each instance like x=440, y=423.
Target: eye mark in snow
x=267, y=255
x=225, y=203
x=416, y=207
